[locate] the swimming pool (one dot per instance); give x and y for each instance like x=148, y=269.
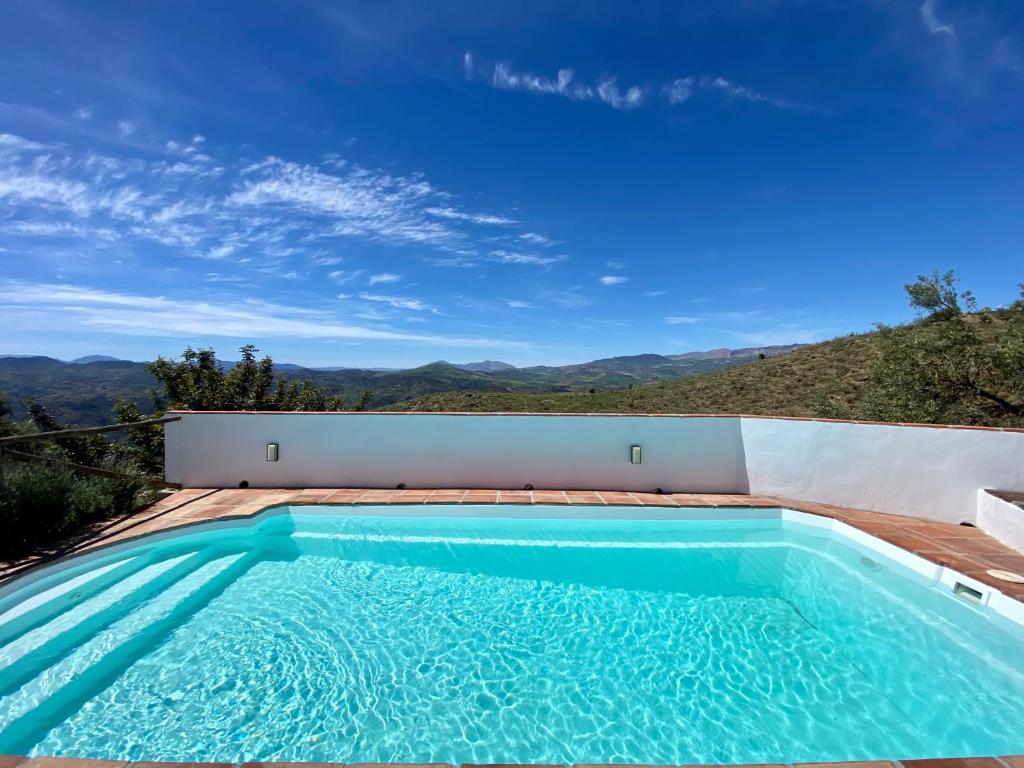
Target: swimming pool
x=507, y=634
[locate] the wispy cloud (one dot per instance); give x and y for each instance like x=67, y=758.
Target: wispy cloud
x=10, y=142
x=517, y=257
x=398, y=302
x=535, y=238
x=679, y=90
x=266, y=212
x=743, y=93
x=383, y=277
x=613, y=279
x=606, y=90
x=503, y=76
x=682, y=320
x=931, y=21
x=73, y=307
x=62, y=229
x=359, y=203
x=475, y=218
x=344, y=277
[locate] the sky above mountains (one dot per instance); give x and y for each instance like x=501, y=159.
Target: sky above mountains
x=385, y=184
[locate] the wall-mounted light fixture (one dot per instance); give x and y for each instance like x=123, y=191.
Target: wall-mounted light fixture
x=271, y=451
x=634, y=454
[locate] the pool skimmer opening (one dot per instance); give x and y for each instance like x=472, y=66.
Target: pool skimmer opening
x=970, y=593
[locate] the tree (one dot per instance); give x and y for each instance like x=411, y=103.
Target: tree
x=42, y=502
x=198, y=382
x=937, y=296
x=6, y=426
x=952, y=365
x=90, y=450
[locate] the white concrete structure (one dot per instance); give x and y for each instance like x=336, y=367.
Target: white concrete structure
x=1001, y=520
x=932, y=472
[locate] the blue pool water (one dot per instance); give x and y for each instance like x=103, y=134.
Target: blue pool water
x=319, y=635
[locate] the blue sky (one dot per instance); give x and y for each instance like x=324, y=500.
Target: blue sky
x=386, y=184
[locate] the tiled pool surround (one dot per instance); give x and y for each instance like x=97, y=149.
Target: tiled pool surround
x=961, y=548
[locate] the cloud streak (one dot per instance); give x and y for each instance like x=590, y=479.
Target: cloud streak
x=565, y=84
x=931, y=21
x=264, y=212
x=606, y=90
x=517, y=257
x=76, y=307
x=398, y=302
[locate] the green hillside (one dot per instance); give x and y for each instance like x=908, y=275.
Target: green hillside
x=792, y=385
x=84, y=392
x=948, y=367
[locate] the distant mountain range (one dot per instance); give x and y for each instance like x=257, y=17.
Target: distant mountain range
x=83, y=391
x=95, y=359
x=484, y=366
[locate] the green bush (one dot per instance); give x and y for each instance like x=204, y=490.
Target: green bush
x=40, y=503
x=95, y=498
x=34, y=506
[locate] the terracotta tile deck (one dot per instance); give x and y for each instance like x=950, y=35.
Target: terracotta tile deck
x=961, y=547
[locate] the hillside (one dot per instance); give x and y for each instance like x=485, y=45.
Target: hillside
x=84, y=393
x=947, y=367
x=790, y=385
x=77, y=393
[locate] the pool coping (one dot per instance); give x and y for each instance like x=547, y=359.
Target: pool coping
x=966, y=550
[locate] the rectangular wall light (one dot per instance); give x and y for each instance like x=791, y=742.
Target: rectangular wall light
x=271, y=451
x=634, y=454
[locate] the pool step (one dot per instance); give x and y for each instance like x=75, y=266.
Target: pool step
x=63, y=596
x=80, y=674
x=22, y=657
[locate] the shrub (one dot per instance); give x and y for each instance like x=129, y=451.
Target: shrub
x=34, y=506
x=40, y=503
x=95, y=498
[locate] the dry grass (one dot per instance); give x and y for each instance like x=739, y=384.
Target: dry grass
x=791, y=385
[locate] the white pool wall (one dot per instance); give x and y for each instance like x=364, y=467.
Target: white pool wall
x=930, y=472
x=1001, y=519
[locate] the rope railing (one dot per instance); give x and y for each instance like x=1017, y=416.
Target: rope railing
x=85, y=470
x=32, y=437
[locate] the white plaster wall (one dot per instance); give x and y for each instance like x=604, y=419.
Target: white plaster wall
x=924, y=472
x=919, y=471
x=1001, y=519
x=456, y=451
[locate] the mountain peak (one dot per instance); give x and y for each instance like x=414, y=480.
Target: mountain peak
x=95, y=359
x=487, y=366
